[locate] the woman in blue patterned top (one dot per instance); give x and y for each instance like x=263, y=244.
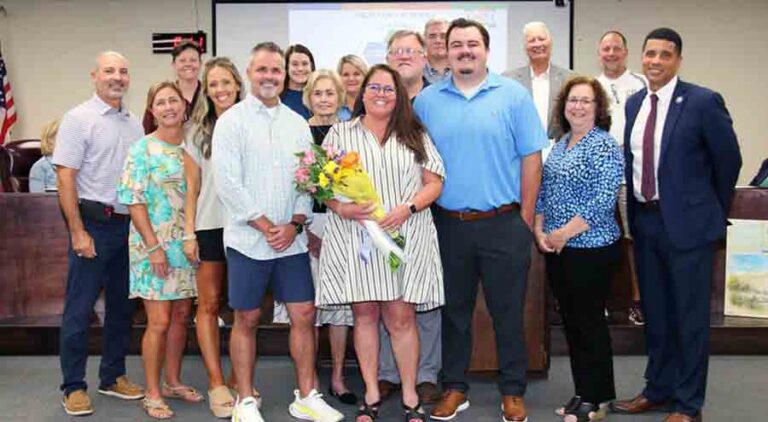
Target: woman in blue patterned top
x=576, y=227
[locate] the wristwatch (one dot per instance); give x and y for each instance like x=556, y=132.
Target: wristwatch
x=298, y=226
x=411, y=207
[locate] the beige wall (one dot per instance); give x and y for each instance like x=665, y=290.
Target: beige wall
x=49, y=46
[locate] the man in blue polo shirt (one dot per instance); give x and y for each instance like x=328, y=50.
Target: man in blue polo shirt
x=489, y=134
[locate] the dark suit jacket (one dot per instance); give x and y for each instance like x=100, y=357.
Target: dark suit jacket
x=698, y=165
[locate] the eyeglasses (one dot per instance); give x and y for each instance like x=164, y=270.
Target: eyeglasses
x=409, y=52
x=439, y=36
x=388, y=90
x=583, y=101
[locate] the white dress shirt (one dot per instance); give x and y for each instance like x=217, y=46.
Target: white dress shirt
x=540, y=90
x=254, y=161
x=636, y=140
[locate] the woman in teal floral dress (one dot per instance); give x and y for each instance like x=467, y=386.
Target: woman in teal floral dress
x=153, y=187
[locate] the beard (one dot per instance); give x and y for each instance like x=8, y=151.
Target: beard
x=268, y=91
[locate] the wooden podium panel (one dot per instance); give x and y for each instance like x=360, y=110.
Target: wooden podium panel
x=33, y=255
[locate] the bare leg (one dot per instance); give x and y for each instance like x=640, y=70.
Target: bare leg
x=181, y=310
x=153, y=343
x=209, y=281
x=242, y=349
x=366, y=338
x=337, y=335
x=400, y=320
x=302, y=344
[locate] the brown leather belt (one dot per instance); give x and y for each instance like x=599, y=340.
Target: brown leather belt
x=479, y=215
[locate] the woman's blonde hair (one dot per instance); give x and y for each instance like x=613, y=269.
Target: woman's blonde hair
x=356, y=61
x=317, y=76
x=204, y=113
x=48, y=137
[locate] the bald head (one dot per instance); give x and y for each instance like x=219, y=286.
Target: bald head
x=110, y=77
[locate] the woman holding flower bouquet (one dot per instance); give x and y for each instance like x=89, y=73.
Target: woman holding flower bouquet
x=406, y=171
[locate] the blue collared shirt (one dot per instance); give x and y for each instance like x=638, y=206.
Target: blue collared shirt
x=94, y=138
x=42, y=175
x=254, y=162
x=482, y=140
x=583, y=181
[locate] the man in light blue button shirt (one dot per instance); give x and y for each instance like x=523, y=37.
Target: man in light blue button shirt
x=488, y=132
x=253, y=156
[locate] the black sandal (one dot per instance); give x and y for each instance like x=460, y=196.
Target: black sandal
x=414, y=412
x=369, y=410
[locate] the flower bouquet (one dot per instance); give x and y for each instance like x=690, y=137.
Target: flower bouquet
x=328, y=173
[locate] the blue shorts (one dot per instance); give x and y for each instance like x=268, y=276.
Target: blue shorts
x=289, y=277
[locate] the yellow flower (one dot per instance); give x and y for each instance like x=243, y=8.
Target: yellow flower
x=330, y=167
x=322, y=180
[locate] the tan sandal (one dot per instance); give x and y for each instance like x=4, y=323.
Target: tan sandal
x=182, y=392
x=221, y=402
x=156, y=408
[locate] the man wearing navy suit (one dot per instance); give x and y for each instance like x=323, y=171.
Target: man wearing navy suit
x=682, y=162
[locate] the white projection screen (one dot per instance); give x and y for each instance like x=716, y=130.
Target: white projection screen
x=331, y=30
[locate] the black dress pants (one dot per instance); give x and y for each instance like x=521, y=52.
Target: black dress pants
x=494, y=251
x=580, y=280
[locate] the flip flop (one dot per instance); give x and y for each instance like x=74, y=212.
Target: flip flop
x=182, y=392
x=157, y=408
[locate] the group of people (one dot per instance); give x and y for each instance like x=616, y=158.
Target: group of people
x=203, y=196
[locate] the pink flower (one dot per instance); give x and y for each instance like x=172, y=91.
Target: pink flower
x=312, y=189
x=302, y=175
x=330, y=151
x=309, y=158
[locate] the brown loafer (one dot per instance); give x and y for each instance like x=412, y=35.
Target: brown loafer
x=387, y=388
x=513, y=408
x=452, y=402
x=639, y=404
x=428, y=393
x=682, y=417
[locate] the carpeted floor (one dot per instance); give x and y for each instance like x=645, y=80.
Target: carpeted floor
x=29, y=391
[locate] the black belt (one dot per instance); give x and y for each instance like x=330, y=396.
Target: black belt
x=98, y=211
x=649, y=205
x=473, y=215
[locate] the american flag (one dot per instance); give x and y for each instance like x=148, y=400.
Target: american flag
x=7, y=110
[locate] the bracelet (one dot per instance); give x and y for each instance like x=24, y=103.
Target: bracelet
x=154, y=248
x=190, y=236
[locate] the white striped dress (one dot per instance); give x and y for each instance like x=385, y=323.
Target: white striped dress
x=344, y=278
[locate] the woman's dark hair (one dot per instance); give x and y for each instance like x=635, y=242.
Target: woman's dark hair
x=403, y=122
x=602, y=115
x=296, y=48
x=183, y=46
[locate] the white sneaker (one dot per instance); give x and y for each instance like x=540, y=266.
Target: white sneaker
x=246, y=411
x=313, y=408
